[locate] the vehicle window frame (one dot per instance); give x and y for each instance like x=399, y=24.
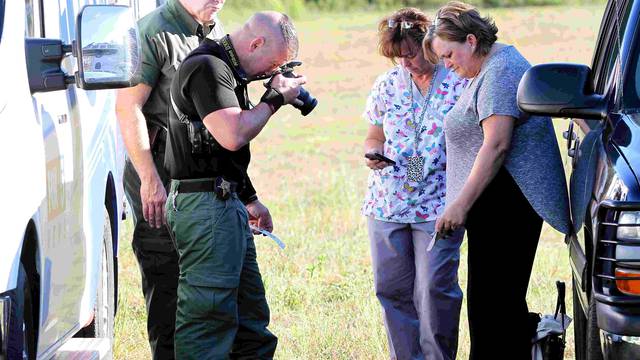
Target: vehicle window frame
x=631, y=87
x=607, y=56
x=37, y=23
x=2, y=6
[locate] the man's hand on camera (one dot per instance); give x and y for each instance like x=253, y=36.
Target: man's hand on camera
x=289, y=87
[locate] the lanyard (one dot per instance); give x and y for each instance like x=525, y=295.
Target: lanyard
x=419, y=127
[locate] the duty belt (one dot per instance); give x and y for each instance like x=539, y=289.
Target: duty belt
x=218, y=185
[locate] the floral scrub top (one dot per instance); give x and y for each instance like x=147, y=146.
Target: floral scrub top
x=391, y=196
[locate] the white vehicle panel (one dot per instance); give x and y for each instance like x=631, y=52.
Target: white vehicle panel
x=62, y=158
x=23, y=175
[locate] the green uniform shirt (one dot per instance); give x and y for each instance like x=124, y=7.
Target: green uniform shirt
x=168, y=35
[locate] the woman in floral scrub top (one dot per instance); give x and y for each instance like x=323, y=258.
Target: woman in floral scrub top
x=418, y=289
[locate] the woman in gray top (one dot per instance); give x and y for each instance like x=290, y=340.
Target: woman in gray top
x=504, y=178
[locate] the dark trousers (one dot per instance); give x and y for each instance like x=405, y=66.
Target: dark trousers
x=222, y=308
x=158, y=263
x=503, y=231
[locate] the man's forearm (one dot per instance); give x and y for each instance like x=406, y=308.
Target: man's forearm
x=253, y=121
x=136, y=139
x=233, y=128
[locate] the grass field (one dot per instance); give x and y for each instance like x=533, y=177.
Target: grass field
x=310, y=173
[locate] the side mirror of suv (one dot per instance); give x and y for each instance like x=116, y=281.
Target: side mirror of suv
x=560, y=90
x=106, y=47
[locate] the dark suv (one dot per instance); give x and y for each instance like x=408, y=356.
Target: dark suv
x=602, y=143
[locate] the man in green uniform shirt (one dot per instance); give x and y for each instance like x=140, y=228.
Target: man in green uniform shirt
x=168, y=34
x=222, y=310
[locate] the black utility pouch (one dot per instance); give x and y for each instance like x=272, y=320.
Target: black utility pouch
x=202, y=142
x=552, y=345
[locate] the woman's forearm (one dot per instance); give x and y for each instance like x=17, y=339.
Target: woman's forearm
x=374, y=141
x=488, y=161
x=371, y=145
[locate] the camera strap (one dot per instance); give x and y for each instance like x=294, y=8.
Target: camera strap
x=232, y=58
x=182, y=117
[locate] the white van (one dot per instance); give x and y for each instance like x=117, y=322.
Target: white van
x=60, y=171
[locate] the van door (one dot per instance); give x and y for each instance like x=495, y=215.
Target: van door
x=62, y=240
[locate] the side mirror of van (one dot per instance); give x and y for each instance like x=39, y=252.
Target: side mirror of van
x=560, y=90
x=106, y=47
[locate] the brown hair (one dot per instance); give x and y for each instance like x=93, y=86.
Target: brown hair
x=390, y=39
x=455, y=21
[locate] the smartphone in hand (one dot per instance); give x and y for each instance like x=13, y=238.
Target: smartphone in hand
x=380, y=157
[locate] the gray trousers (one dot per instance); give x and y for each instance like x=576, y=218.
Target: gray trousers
x=418, y=290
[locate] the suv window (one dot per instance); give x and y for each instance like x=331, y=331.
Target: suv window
x=632, y=87
x=606, y=57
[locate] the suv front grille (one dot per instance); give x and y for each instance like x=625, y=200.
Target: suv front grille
x=608, y=250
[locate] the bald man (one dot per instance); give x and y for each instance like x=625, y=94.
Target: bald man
x=168, y=34
x=222, y=311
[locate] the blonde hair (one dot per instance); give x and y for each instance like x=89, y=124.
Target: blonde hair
x=455, y=20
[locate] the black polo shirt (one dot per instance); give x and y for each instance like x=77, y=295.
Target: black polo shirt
x=205, y=83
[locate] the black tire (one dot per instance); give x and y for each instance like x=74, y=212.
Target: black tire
x=593, y=346
x=579, y=325
x=104, y=309
x=22, y=335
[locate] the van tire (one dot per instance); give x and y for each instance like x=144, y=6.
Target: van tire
x=104, y=308
x=22, y=335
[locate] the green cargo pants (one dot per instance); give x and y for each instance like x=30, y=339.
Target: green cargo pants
x=222, y=311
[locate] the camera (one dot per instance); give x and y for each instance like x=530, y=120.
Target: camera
x=305, y=102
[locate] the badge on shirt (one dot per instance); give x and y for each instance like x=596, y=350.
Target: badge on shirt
x=415, y=168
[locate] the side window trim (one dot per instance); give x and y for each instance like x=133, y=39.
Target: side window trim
x=41, y=17
x=34, y=22
x=607, y=56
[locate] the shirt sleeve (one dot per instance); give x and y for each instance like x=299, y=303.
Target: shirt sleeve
x=375, y=109
x=248, y=192
x=211, y=86
x=218, y=28
x=152, y=57
x=497, y=93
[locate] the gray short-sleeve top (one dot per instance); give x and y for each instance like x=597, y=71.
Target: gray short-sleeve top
x=534, y=158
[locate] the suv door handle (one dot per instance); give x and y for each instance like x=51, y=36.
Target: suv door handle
x=566, y=135
x=569, y=135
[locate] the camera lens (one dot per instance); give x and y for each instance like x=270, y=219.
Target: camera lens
x=308, y=102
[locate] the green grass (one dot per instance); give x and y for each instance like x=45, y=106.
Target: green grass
x=310, y=172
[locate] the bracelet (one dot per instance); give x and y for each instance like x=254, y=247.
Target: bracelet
x=273, y=98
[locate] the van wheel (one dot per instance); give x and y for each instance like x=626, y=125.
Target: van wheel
x=104, y=309
x=22, y=335
x=579, y=325
x=593, y=347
